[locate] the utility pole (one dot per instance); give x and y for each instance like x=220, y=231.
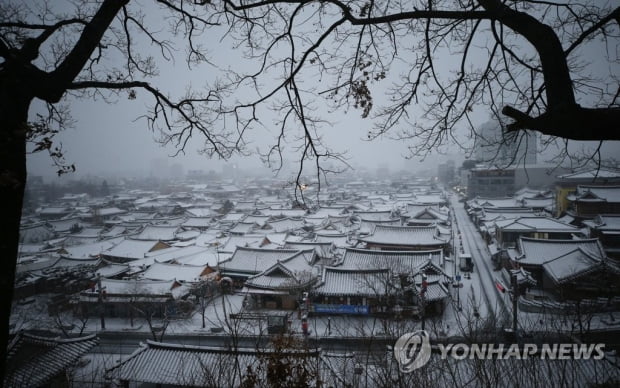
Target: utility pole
x=515, y=298
x=100, y=300
x=423, y=298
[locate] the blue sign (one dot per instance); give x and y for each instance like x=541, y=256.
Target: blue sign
x=458, y=277
x=341, y=309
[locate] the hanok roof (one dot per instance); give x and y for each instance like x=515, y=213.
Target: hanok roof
x=386, y=215
x=286, y=224
x=430, y=199
x=192, y=366
x=535, y=224
x=343, y=282
x=280, y=277
x=606, y=223
x=182, y=273
x=158, y=232
x=245, y=241
x=114, y=287
x=539, y=251
x=64, y=224
x=571, y=265
x=402, y=262
x=33, y=361
x=86, y=251
x=111, y=270
x=404, y=236
x=323, y=249
x=596, y=194
x=35, y=233
x=252, y=261
x=134, y=249
x=197, y=222
x=175, y=253
x=598, y=174
x=243, y=227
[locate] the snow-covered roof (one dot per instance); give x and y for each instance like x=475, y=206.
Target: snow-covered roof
x=539, y=251
x=605, y=222
x=158, y=232
x=182, y=273
x=187, y=365
x=111, y=270
x=34, y=361
x=535, y=224
x=596, y=194
x=593, y=174
x=256, y=260
x=134, y=249
x=343, y=282
x=286, y=224
x=404, y=236
x=402, y=262
x=197, y=222
x=280, y=276
x=243, y=227
x=93, y=249
x=35, y=233
x=135, y=287
x=175, y=253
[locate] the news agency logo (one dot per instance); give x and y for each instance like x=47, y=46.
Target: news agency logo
x=413, y=350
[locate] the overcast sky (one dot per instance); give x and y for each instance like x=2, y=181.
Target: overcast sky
x=110, y=138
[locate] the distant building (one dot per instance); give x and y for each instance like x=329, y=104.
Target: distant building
x=446, y=171
x=493, y=145
x=567, y=184
x=490, y=182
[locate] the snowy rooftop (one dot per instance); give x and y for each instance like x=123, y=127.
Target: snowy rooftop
x=404, y=235
x=182, y=273
x=540, y=251
x=256, y=260
x=157, y=232
x=539, y=224
x=134, y=249
x=343, y=282
x=404, y=262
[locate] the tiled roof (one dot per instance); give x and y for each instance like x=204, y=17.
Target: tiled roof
x=338, y=281
x=134, y=286
x=539, y=224
x=87, y=251
x=281, y=276
x=286, y=224
x=182, y=273
x=374, y=215
x=404, y=236
x=256, y=260
x=32, y=361
x=189, y=366
x=597, y=193
x=156, y=232
x=570, y=265
x=396, y=261
x=539, y=251
x=592, y=174
x=131, y=249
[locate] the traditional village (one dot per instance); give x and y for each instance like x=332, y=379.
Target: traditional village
x=207, y=281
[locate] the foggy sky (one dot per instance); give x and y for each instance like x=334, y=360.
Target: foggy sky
x=109, y=138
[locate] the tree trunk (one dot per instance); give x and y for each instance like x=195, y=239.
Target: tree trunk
x=14, y=105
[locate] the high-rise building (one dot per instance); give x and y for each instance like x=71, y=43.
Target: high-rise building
x=495, y=146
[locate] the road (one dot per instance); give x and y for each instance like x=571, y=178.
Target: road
x=483, y=286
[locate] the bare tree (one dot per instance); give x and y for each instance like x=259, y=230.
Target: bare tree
x=533, y=72
x=204, y=291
